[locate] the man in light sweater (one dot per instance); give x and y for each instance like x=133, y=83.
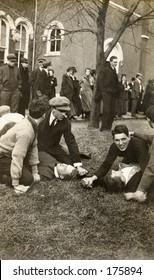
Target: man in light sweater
x=18, y=149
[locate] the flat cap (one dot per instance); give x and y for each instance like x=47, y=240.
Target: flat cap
x=138, y=74
x=61, y=103
x=46, y=64
x=24, y=60
x=150, y=113
x=41, y=59
x=4, y=109
x=11, y=57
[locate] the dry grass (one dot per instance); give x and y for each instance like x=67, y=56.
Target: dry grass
x=62, y=220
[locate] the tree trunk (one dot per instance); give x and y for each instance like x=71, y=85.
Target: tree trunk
x=100, y=62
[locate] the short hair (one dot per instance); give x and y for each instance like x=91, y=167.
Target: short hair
x=38, y=107
x=113, y=184
x=121, y=128
x=113, y=57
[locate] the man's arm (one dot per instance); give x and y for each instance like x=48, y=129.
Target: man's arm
x=145, y=137
x=148, y=175
x=103, y=169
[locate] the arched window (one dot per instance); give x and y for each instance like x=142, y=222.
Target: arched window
x=53, y=36
x=3, y=40
x=21, y=44
x=55, y=40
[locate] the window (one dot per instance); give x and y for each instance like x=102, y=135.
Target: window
x=53, y=35
x=3, y=40
x=55, y=40
x=21, y=46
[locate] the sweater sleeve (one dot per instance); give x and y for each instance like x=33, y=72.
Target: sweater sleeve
x=148, y=175
x=18, y=155
x=33, y=158
x=107, y=163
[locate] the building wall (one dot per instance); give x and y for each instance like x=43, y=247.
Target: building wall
x=77, y=50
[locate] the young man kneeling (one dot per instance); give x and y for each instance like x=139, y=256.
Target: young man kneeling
x=19, y=152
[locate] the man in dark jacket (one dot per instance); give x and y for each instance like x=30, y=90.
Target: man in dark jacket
x=10, y=83
x=132, y=150
x=25, y=86
x=55, y=125
x=110, y=93
x=34, y=78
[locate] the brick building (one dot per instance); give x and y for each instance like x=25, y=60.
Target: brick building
x=38, y=28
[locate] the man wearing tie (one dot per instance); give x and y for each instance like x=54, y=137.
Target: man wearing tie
x=55, y=125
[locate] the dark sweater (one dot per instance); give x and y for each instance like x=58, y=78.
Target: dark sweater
x=136, y=152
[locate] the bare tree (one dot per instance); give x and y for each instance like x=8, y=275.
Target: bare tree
x=96, y=11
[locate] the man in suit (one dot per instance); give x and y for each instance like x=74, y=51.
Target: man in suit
x=136, y=92
x=110, y=93
x=10, y=83
x=44, y=81
x=35, y=76
x=25, y=86
x=55, y=125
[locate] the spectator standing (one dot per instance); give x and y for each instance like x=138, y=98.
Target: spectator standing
x=148, y=98
x=44, y=82
x=34, y=78
x=53, y=82
x=10, y=83
x=67, y=87
x=86, y=92
x=130, y=93
x=25, y=86
x=110, y=93
x=136, y=94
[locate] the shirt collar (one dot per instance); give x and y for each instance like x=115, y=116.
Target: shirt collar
x=52, y=118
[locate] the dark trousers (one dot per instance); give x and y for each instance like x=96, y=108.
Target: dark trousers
x=108, y=111
x=60, y=155
x=134, y=107
x=5, y=164
x=11, y=98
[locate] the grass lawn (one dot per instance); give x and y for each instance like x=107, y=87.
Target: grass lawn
x=62, y=220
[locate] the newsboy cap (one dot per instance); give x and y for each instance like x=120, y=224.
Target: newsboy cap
x=138, y=74
x=46, y=64
x=60, y=103
x=150, y=113
x=24, y=60
x=41, y=59
x=4, y=109
x=11, y=57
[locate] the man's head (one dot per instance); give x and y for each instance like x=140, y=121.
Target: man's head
x=65, y=171
x=121, y=137
x=40, y=62
x=150, y=115
x=37, y=109
x=113, y=61
x=24, y=62
x=11, y=59
x=60, y=107
x=47, y=65
x=139, y=76
x=113, y=183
